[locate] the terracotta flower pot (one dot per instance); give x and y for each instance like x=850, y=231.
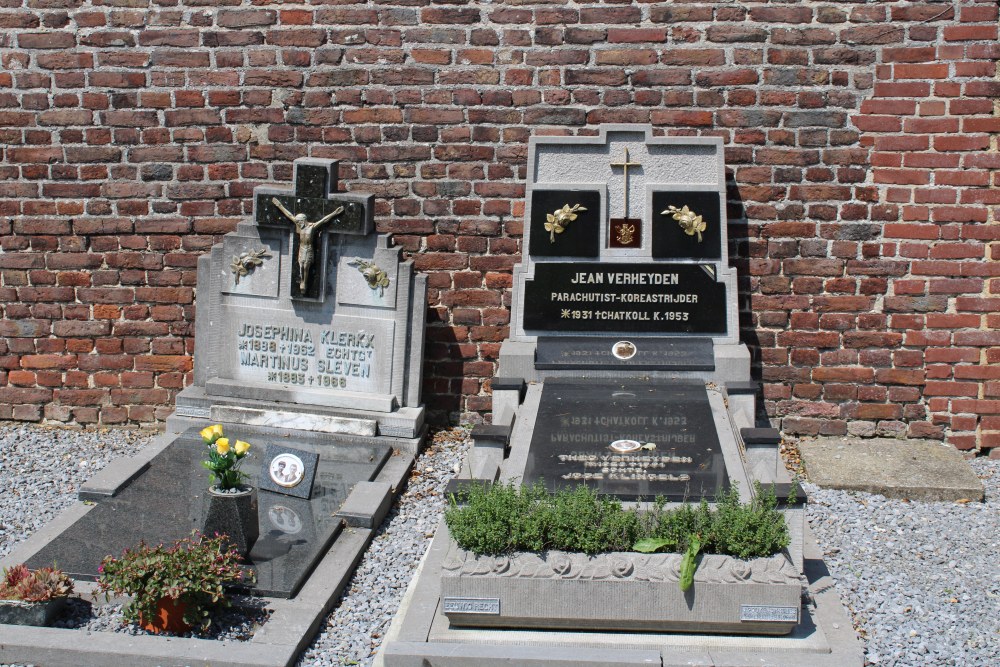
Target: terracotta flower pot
x=169, y=617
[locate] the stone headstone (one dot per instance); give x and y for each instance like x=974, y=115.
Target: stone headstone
x=307, y=319
x=639, y=244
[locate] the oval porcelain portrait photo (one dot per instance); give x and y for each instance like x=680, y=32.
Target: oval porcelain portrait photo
x=286, y=470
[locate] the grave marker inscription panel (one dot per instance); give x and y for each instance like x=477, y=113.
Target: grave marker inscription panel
x=579, y=420
x=618, y=297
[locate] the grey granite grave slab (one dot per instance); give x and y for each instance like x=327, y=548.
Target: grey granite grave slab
x=168, y=500
x=912, y=469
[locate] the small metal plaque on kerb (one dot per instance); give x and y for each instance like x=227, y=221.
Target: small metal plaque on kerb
x=768, y=613
x=453, y=605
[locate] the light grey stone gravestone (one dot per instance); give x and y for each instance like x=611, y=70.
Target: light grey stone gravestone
x=624, y=372
x=308, y=320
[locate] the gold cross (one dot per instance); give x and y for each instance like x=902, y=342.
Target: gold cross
x=625, y=164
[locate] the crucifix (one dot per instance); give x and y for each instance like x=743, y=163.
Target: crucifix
x=307, y=233
x=625, y=232
x=314, y=209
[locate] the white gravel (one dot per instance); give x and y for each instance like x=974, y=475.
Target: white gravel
x=921, y=579
x=41, y=469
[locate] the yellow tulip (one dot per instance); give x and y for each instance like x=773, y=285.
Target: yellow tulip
x=211, y=433
x=241, y=447
x=222, y=445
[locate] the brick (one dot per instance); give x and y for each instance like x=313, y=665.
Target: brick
x=46, y=40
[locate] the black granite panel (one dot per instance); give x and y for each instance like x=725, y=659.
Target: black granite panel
x=349, y=221
x=579, y=419
x=168, y=501
x=288, y=471
x=747, y=387
x=580, y=238
x=669, y=239
x=618, y=297
x=635, y=353
x=500, y=383
x=760, y=436
x=315, y=180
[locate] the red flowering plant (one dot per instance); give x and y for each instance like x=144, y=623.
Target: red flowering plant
x=193, y=571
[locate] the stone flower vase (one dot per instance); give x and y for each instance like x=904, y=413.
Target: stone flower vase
x=233, y=513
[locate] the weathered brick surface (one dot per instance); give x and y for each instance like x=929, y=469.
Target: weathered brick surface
x=861, y=148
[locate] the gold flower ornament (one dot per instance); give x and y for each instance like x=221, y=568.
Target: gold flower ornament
x=557, y=221
x=690, y=222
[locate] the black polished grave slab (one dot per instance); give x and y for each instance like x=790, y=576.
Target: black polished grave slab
x=578, y=420
x=628, y=298
x=623, y=353
x=168, y=501
x=670, y=240
x=579, y=238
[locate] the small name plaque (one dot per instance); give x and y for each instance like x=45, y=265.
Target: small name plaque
x=768, y=613
x=453, y=605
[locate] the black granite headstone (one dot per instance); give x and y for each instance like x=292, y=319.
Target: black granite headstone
x=578, y=420
x=168, y=501
x=626, y=353
x=579, y=238
x=618, y=297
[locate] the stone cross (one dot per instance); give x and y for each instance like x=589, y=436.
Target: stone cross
x=314, y=207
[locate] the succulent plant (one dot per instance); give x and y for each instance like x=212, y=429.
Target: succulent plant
x=20, y=583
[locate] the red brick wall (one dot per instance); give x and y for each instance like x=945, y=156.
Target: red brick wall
x=861, y=140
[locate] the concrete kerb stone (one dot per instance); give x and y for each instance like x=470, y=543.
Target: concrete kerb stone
x=367, y=504
x=276, y=644
x=912, y=469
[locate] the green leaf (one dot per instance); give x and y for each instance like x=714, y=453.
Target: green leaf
x=690, y=563
x=650, y=545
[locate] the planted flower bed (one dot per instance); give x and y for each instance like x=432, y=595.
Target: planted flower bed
x=520, y=558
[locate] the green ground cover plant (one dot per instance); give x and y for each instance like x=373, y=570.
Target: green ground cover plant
x=502, y=518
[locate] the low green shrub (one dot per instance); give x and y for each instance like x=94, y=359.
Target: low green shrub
x=503, y=518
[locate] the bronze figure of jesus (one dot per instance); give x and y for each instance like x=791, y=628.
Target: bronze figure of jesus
x=306, y=232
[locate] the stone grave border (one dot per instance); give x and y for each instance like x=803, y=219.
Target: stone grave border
x=277, y=643
x=420, y=634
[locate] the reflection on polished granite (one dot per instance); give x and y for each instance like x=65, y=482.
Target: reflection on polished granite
x=169, y=500
x=579, y=418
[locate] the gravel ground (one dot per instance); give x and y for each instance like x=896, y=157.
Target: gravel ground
x=921, y=579
x=41, y=469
